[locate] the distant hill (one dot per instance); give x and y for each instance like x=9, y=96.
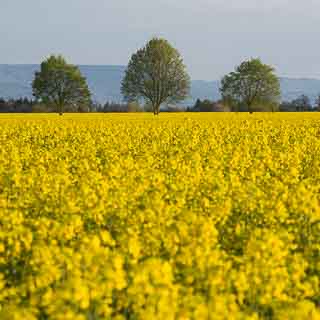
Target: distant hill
x=292, y=88
x=104, y=82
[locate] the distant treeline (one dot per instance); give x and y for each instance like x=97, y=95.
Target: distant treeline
x=26, y=105
x=301, y=104
x=22, y=105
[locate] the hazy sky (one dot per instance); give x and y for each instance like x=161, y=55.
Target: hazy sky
x=212, y=35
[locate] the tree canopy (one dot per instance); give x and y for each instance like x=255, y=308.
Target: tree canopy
x=252, y=85
x=61, y=85
x=156, y=74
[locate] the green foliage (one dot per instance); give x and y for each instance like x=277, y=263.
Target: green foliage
x=156, y=74
x=61, y=85
x=253, y=85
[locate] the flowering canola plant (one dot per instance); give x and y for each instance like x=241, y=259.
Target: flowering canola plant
x=184, y=216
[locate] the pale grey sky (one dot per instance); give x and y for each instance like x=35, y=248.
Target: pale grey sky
x=212, y=35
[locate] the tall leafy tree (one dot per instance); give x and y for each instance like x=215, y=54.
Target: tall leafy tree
x=156, y=74
x=252, y=85
x=61, y=85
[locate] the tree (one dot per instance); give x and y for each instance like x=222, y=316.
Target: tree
x=197, y=105
x=61, y=85
x=252, y=85
x=156, y=74
x=302, y=103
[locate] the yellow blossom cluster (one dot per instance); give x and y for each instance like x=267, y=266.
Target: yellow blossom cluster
x=182, y=216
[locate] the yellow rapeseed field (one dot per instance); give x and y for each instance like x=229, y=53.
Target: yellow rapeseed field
x=181, y=216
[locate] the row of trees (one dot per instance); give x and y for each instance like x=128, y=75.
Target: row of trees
x=300, y=104
x=157, y=76
x=22, y=105
x=25, y=105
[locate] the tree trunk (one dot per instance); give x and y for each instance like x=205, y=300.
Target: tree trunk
x=60, y=109
x=156, y=110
